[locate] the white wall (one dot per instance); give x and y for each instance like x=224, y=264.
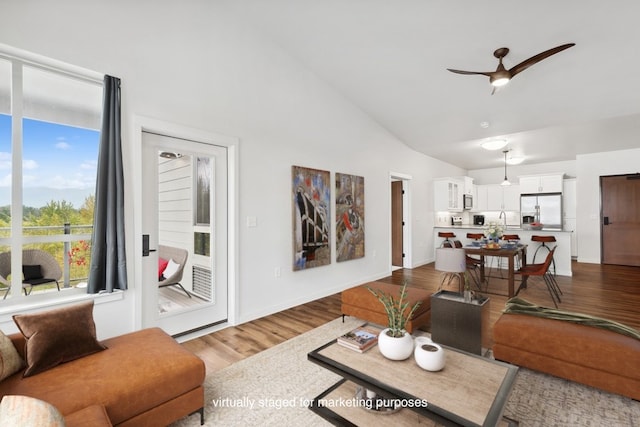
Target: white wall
x=201, y=67
x=496, y=175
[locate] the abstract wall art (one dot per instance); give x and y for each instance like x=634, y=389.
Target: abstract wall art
x=349, y=217
x=311, y=197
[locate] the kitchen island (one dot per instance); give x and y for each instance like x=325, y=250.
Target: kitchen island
x=562, y=255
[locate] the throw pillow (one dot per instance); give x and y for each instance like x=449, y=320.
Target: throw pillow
x=162, y=265
x=57, y=336
x=31, y=272
x=28, y=411
x=171, y=269
x=10, y=360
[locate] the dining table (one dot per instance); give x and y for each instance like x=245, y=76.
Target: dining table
x=509, y=251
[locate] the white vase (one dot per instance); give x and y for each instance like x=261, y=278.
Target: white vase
x=395, y=348
x=429, y=356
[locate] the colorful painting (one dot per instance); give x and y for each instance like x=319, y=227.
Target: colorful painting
x=349, y=217
x=311, y=197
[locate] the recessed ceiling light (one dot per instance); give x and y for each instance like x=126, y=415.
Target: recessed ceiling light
x=515, y=160
x=493, y=144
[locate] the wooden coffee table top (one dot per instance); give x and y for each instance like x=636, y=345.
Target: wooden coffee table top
x=470, y=390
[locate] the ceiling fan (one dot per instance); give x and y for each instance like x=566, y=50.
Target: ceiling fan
x=501, y=76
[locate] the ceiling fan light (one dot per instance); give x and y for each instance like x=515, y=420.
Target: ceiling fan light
x=505, y=182
x=493, y=144
x=499, y=81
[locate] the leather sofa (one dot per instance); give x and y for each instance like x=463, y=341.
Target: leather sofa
x=143, y=378
x=589, y=355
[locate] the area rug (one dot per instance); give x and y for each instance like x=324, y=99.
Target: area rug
x=275, y=386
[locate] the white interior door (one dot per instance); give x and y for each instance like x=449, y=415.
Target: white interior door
x=184, y=208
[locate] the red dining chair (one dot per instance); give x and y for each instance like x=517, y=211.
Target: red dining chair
x=541, y=270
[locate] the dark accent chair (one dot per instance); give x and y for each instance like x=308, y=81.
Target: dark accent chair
x=38, y=268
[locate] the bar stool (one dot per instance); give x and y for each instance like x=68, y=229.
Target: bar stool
x=447, y=235
x=544, y=240
x=475, y=236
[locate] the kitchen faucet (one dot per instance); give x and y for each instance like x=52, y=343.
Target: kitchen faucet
x=503, y=214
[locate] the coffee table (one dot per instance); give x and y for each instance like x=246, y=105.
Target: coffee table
x=469, y=391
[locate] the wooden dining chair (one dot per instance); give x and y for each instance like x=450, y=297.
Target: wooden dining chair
x=541, y=270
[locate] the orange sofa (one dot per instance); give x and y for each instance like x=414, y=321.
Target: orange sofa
x=143, y=378
x=588, y=355
x=361, y=303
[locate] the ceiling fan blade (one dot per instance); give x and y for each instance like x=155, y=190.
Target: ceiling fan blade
x=484, y=73
x=537, y=58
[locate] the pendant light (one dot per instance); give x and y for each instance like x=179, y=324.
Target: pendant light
x=506, y=181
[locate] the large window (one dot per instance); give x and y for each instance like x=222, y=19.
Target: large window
x=49, y=137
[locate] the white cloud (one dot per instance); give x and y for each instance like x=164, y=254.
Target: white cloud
x=5, y=181
x=29, y=179
x=5, y=160
x=62, y=145
x=89, y=164
x=29, y=164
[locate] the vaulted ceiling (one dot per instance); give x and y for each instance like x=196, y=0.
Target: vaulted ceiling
x=389, y=58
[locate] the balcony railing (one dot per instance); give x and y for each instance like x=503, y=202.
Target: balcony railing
x=69, y=244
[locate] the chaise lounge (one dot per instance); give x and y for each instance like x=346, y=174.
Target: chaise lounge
x=578, y=348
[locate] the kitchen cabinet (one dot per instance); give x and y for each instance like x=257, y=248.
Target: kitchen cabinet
x=503, y=198
x=511, y=198
x=447, y=195
x=569, y=212
x=533, y=184
x=480, y=198
x=569, y=224
x=467, y=185
x=569, y=207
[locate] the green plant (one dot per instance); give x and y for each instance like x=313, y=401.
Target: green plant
x=398, y=311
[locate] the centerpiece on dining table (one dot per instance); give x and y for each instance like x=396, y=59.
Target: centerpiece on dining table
x=493, y=232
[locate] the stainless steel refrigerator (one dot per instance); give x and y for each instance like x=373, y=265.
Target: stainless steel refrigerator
x=545, y=208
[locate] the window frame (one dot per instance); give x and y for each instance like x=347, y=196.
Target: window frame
x=18, y=60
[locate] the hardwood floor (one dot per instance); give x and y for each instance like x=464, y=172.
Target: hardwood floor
x=607, y=291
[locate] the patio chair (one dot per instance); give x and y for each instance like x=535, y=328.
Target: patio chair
x=38, y=268
x=179, y=256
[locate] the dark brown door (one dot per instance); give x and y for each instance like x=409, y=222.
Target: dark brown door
x=396, y=224
x=620, y=220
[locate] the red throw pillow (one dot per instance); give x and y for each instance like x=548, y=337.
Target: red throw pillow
x=162, y=265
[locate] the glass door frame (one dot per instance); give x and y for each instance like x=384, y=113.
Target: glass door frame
x=145, y=124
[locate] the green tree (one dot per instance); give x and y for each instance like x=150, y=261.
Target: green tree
x=55, y=212
x=86, y=210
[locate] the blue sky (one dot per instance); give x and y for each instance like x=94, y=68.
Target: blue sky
x=57, y=157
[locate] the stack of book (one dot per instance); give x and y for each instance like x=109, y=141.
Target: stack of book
x=360, y=339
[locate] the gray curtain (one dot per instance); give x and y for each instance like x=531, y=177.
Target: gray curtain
x=108, y=270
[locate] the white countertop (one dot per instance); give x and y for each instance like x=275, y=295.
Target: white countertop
x=509, y=227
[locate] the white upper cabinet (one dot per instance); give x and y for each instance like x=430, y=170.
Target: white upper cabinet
x=479, y=198
x=569, y=206
x=468, y=185
x=533, y=184
x=511, y=198
x=447, y=195
x=502, y=198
